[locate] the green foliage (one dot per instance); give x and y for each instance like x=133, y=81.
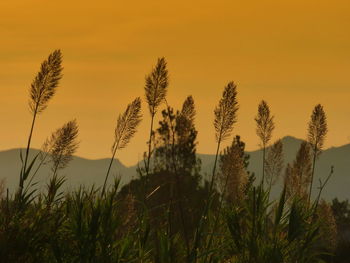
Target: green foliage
x=261, y=233
x=341, y=211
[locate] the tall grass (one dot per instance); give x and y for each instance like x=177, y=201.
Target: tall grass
x=125, y=129
x=264, y=128
x=155, y=92
x=41, y=91
x=317, y=132
x=111, y=224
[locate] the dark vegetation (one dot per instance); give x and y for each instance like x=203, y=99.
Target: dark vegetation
x=170, y=213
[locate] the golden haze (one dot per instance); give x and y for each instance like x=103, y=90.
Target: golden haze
x=294, y=54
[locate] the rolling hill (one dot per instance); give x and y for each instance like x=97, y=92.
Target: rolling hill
x=88, y=172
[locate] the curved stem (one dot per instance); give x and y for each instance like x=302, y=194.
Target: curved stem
x=321, y=189
x=263, y=169
x=149, y=144
x=24, y=167
x=36, y=171
x=214, y=167
x=313, y=171
x=28, y=147
x=109, y=168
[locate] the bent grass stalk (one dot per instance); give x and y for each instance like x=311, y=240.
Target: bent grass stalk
x=125, y=129
x=43, y=88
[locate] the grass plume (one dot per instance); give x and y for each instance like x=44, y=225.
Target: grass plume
x=317, y=132
x=233, y=176
x=274, y=163
x=188, y=110
x=156, y=85
x=62, y=145
x=185, y=120
x=60, y=148
x=125, y=129
x=42, y=89
x=298, y=175
x=225, y=116
x=155, y=91
x=264, y=128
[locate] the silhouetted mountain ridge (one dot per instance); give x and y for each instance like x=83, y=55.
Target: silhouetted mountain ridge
x=338, y=157
x=87, y=172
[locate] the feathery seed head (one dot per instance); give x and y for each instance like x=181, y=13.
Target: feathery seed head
x=317, y=130
x=298, y=175
x=188, y=109
x=233, y=176
x=225, y=112
x=127, y=125
x=274, y=162
x=44, y=85
x=62, y=145
x=185, y=119
x=156, y=85
x=264, y=123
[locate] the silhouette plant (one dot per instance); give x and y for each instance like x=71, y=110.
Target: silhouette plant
x=225, y=117
x=264, y=129
x=298, y=175
x=233, y=174
x=274, y=163
x=317, y=132
x=125, y=129
x=42, y=89
x=155, y=89
x=92, y=224
x=60, y=147
x=176, y=153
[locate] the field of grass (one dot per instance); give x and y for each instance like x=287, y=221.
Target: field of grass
x=169, y=213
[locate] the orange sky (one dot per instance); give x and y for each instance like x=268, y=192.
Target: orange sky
x=294, y=54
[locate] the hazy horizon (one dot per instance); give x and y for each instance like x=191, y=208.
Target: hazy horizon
x=175, y=131
x=133, y=162
x=108, y=48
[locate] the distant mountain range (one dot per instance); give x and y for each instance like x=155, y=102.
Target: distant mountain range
x=86, y=172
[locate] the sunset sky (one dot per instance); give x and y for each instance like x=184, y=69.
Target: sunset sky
x=293, y=54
